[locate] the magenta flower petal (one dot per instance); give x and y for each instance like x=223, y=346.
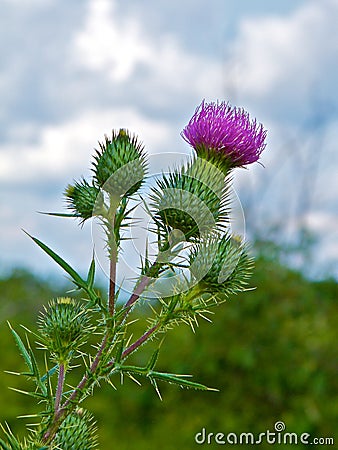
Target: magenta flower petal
x=217, y=130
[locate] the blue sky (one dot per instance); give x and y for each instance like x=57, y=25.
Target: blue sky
x=72, y=71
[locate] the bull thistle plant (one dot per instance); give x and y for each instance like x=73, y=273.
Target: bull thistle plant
x=197, y=256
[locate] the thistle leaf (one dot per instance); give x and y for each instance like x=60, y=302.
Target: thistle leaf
x=49, y=373
x=59, y=214
x=22, y=349
x=172, y=378
x=180, y=380
x=61, y=262
x=76, y=278
x=4, y=446
x=30, y=394
x=119, y=352
x=153, y=359
x=91, y=274
x=37, y=376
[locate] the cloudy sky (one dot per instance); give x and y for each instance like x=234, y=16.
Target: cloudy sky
x=73, y=71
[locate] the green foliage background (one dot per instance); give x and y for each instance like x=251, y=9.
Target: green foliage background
x=272, y=353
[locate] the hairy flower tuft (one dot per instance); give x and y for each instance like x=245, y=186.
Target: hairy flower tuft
x=225, y=135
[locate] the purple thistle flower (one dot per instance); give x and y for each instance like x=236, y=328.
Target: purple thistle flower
x=225, y=134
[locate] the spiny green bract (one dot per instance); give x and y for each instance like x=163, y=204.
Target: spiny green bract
x=14, y=443
x=221, y=265
x=77, y=432
x=192, y=199
x=63, y=327
x=83, y=199
x=120, y=164
x=21, y=446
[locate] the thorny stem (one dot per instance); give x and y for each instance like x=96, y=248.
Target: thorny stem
x=63, y=411
x=141, y=286
x=195, y=292
x=137, y=343
x=85, y=377
x=112, y=280
x=59, y=389
x=112, y=255
x=140, y=341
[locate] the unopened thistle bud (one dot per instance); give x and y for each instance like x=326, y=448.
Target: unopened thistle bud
x=221, y=265
x=120, y=164
x=191, y=199
x=77, y=432
x=225, y=135
x=84, y=200
x=63, y=326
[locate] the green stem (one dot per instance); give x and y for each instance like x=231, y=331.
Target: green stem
x=113, y=235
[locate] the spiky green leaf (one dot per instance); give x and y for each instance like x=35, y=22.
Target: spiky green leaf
x=91, y=274
x=50, y=373
x=22, y=349
x=61, y=262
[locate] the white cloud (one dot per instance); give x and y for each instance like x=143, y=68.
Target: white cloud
x=285, y=68
x=287, y=62
x=104, y=45
x=120, y=47
x=62, y=150
x=108, y=45
x=322, y=222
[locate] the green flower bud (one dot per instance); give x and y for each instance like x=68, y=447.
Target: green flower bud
x=221, y=265
x=83, y=199
x=77, y=432
x=120, y=164
x=63, y=327
x=191, y=199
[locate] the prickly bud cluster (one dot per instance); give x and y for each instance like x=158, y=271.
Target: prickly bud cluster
x=191, y=199
x=198, y=264
x=221, y=265
x=85, y=200
x=63, y=326
x=77, y=432
x=120, y=164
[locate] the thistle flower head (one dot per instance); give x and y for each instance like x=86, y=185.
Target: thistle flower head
x=120, y=165
x=191, y=199
x=225, y=135
x=83, y=199
x=77, y=432
x=221, y=265
x=63, y=326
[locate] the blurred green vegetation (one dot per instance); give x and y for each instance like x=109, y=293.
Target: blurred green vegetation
x=271, y=352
